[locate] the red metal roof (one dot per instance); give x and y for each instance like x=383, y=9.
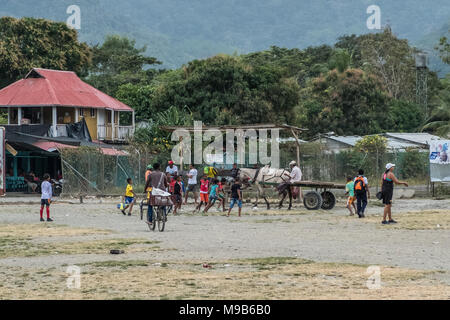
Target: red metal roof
x=43, y=87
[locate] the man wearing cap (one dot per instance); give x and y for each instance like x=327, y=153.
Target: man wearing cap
x=148, y=172
x=387, y=191
x=296, y=176
x=362, y=193
x=172, y=169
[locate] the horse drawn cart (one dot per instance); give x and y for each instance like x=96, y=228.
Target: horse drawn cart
x=320, y=198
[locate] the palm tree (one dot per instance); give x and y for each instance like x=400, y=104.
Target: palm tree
x=439, y=122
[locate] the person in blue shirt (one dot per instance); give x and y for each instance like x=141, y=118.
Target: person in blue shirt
x=213, y=194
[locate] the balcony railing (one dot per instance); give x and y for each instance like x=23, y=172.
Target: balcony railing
x=121, y=133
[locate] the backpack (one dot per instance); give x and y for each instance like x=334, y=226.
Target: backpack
x=360, y=186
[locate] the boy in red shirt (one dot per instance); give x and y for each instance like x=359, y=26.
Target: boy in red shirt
x=204, y=190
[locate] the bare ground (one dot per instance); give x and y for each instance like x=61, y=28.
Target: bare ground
x=266, y=254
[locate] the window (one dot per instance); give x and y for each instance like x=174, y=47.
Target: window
x=80, y=112
x=92, y=113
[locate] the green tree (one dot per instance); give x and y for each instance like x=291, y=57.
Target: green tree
x=156, y=139
x=3, y=118
x=444, y=49
x=138, y=97
x=406, y=116
x=392, y=60
x=374, y=146
x=348, y=103
x=227, y=90
x=299, y=64
x=38, y=43
x=439, y=121
x=117, y=61
x=340, y=60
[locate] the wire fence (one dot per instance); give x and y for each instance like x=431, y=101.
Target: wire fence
x=317, y=164
x=87, y=171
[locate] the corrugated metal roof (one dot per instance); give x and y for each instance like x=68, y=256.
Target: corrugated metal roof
x=43, y=87
x=393, y=143
x=349, y=140
x=421, y=138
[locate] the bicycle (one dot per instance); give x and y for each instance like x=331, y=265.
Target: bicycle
x=159, y=215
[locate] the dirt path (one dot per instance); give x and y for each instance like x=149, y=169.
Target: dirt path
x=322, y=236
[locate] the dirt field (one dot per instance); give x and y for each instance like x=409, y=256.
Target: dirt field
x=266, y=254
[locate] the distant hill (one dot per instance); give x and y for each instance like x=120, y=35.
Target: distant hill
x=177, y=31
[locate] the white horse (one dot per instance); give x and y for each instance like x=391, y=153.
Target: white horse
x=267, y=174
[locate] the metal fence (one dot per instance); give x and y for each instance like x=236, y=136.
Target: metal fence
x=316, y=164
x=87, y=171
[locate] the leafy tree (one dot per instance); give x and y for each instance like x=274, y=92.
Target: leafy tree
x=439, y=121
x=352, y=44
x=138, y=97
x=348, y=103
x=444, y=49
x=158, y=140
x=414, y=164
x=299, y=64
x=406, y=116
x=372, y=144
x=118, y=54
x=3, y=118
x=340, y=60
x=392, y=60
x=226, y=90
x=38, y=43
x=117, y=61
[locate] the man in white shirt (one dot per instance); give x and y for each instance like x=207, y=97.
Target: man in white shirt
x=296, y=176
x=172, y=169
x=296, y=173
x=192, y=183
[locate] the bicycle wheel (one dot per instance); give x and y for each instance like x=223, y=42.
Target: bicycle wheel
x=155, y=217
x=161, y=220
x=142, y=209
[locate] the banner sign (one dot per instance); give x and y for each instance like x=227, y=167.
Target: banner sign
x=440, y=160
x=2, y=161
x=439, y=153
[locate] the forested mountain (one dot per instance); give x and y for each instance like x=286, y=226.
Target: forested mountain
x=178, y=31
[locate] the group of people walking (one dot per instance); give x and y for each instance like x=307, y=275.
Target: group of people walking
x=208, y=190
x=358, y=190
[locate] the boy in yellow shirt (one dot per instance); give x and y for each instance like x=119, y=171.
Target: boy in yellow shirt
x=129, y=197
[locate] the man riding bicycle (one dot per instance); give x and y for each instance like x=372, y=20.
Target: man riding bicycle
x=158, y=180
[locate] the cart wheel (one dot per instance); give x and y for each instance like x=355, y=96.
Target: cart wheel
x=312, y=200
x=329, y=200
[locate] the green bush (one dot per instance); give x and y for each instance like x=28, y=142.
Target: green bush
x=413, y=164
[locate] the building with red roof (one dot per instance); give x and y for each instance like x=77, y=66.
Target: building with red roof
x=51, y=110
x=58, y=98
